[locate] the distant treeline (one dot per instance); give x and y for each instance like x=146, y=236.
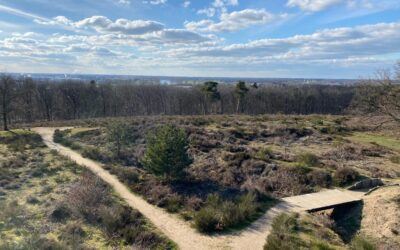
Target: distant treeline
x=27, y=100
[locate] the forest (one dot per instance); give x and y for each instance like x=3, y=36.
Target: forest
x=28, y=100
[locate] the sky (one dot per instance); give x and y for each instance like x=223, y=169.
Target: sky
x=208, y=38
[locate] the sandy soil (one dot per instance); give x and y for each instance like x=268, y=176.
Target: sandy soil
x=381, y=217
x=179, y=231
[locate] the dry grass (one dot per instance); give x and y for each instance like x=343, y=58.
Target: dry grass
x=42, y=206
x=381, y=217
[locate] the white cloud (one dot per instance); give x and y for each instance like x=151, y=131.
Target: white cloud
x=218, y=6
x=124, y=32
x=186, y=4
x=235, y=21
x=155, y=2
x=320, y=5
x=59, y=20
x=123, y=26
x=124, y=2
x=104, y=25
x=223, y=3
x=313, y=5
x=329, y=44
x=210, y=12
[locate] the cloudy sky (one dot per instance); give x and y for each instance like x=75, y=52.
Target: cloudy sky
x=240, y=38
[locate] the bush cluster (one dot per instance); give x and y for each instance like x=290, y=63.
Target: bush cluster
x=264, y=154
x=20, y=141
x=361, y=243
x=320, y=178
x=395, y=159
x=308, y=160
x=95, y=154
x=345, y=176
x=284, y=233
x=219, y=214
x=90, y=200
x=60, y=137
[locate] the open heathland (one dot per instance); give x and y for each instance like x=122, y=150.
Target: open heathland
x=49, y=202
x=240, y=165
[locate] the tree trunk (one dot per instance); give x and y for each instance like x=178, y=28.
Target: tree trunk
x=5, y=121
x=238, y=106
x=222, y=106
x=5, y=112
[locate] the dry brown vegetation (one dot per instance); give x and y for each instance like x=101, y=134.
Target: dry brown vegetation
x=274, y=156
x=48, y=202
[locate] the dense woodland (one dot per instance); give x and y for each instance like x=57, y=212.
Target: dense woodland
x=27, y=100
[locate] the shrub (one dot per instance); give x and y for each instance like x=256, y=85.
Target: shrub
x=87, y=133
x=58, y=136
x=121, y=221
x=32, y=200
x=236, y=159
x=320, y=178
x=320, y=246
x=130, y=175
x=47, y=189
x=395, y=159
x=206, y=220
x=73, y=234
x=86, y=195
x=19, y=141
x=287, y=181
x=360, y=243
x=166, y=153
x=219, y=214
x=60, y=213
x=114, y=218
x=317, y=121
x=264, y=154
x=199, y=121
x=344, y=176
x=75, y=146
x=247, y=206
x=308, y=159
x=283, y=233
x=174, y=203
x=94, y=154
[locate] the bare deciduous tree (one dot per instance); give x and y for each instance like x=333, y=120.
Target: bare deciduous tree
x=55, y=100
x=8, y=94
x=380, y=96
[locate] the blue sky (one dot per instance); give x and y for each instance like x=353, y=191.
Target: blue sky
x=252, y=38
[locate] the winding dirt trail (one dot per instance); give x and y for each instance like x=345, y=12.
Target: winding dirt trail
x=179, y=231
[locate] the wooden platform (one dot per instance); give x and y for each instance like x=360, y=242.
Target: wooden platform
x=323, y=200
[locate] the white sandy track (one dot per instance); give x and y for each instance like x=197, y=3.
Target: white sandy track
x=179, y=231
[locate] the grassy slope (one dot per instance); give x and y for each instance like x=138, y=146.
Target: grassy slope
x=385, y=141
x=305, y=231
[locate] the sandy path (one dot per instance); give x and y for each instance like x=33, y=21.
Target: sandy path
x=179, y=231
